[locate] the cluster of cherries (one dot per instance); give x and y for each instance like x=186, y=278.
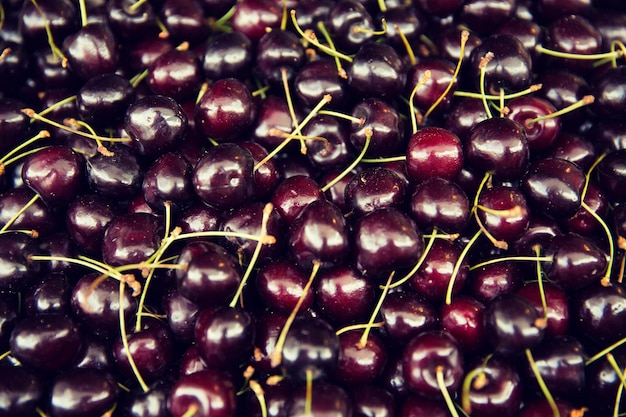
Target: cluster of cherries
x=280, y=208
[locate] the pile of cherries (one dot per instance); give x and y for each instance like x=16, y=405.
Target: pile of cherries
x=341, y=208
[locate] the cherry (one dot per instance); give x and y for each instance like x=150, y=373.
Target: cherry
x=50, y=296
x=526, y=30
x=61, y=15
x=311, y=349
x=91, y=51
x=208, y=392
x=463, y=319
x=334, y=151
x=434, y=152
x=318, y=78
x=168, y=179
x=253, y=17
x=432, y=89
x=131, y=238
x=383, y=121
x=573, y=34
x=148, y=404
x=185, y=20
x=227, y=55
x=83, y=391
x=116, y=176
x=334, y=401
x=489, y=281
x=503, y=212
x=415, y=406
x=360, y=363
x=55, y=173
x=294, y=194
x=371, y=400
x=21, y=391
x=278, y=51
x=176, y=74
x=480, y=15
x=463, y=115
x=432, y=362
x=439, y=8
x=557, y=310
x=17, y=206
x=225, y=110
x=224, y=336
x=540, y=408
x=612, y=174
x=373, y=189
x=223, y=177
x=385, y=240
x=442, y=204
x=564, y=88
x=512, y=324
x=407, y=314
x=350, y=25
x=86, y=219
x=540, y=134
x=14, y=123
x=273, y=117
x=281, y=284
x=598, y=312
x=498, y=146
x=376, y=71
x=132, y=21
x=343, y=295
x=18, y=271
x=573, y=148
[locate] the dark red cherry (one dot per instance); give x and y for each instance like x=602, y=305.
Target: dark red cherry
x=504, y=213
x=147, y=404
x=564, y=88
x=104, y=99
x=464, y=114
x=210, y=392
x=376, y=71
x=526, y=30
x=385, y=124
x=434, y=152
x=599, y=311
x=540, y=408
x=21, y=391
x=373, y=189
x=224, y=176
x=576, y=261
x=132, y=22
x=430, y=353
x=575, y=149
x=118, y=176
x=224, y=336
x=91, y=51
x=199, y=218
x=96, y=303
x=372, y=400
x=350, y=25
x=360, y=363
x=151, y=347
x=343, y=295
x=433, y=277
x=266, y=176
x=557, y=303
x=280, y=285
x=278, y=51
x=407, y=314
x=227, y=55
x=181, y=316
x=612, y=175
x=438, y=7
x=602, y=383
x=610, y=94
x=541, y=134
x=553, y=187
x=83, y=391
x=48, y=342
x=55, y=173
x=87, y=217
x=131, y=238
x=9, y=315
x=386, y=240
x=509, y=69
x=51, y=295
x=175, y=74
x=311, y=347
x=483, y=15
x=61, y=16
x=254, y=17
x=332, y=152
x=326, y=399
x=442, y=204
x=573, y=34
x=273, y=119
x=14, y=125
x=318, y=78
x=37, y=216
x=463, y=319
x=18, y=271
x=294, y=194
x=168, y=179
x=319, y=234
x=185, y=20
x=498, y=392
x=512, y=324
x=226, y=110
x=432, y=88
x=498, y=145
x=487, y=282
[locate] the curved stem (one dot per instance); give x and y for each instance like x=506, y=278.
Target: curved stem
x=363, y=340
x=368, y=138
x=457, y=265
x=122, y=319
x=419, y=262
x=542, y=384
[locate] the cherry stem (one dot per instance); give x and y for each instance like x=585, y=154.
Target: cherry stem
x=325, y=100
x=363, y=340
x=101, y=148
x=308, y=402
x=382, y=6
x=457, y=265
x=138, y=78
x=464, y=38
x=542, y=292
x=593, y=166
x=585, y=101
x=133, y=7
x=13, y=218
x=313, y=40
x=88, y=263
x=419, y=262
x=484, y=61
x=8, y=162
x=622, y=266
x=444, y=391
x=283, y=19
x=260, y=396
x=4, y=161
x=56, y=105
x=34, y=115
x=542, y=384
x=340, y=70
x=131, y=361
x=292, y=111
x=267, y=211
x=276, y=357
x=368, y=138
x=533, y=88
x=83, y=12
x=588, y=57
x=191, y=410
x=342, y=116
x=2, y=16
x=56, y=52
x=359, y=327
x=474, y=377
x=511, y=258
x=407, y=45
x=423, y=79
x=5, y=355
x=609, y=268
x=605, y=351
x=383, y=160
x=618, y=396
x=495, y=242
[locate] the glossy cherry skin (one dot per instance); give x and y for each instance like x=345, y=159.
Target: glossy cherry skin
x=335, y=150
x=20, y=391
x=319, y=234
x=132, y=23
x=147, y=404
x=574, y=148
x=487, y=282
x=373, y=189
x=554, y=186
x=542, y=134
x=311, y=347
x=573, y=34
x=385, y=123
x=14, y=124
x=371, y=400
x=225, y=110
x=342, y=22
x=360, y=364
x=87, y=217
x=425, y=355
x=227, y=55
x=540, y=408
x=50, y=296
x=327, y=399
x=385, y=240
x=118, y=176
x=612, y=172
x=98, y=306
x=463, y=319
x=168, y=180
x=376, y=71
x=434, y=152
x=131, y=239
x=104, y=99
x=599, y=312
x=512, y=324
x=512, y=221
x=185, y=20
x=152, y=350
x=318, y=78
x=278, y=51
x=210, y=391
x=83, y=392
x=18, y=272
x=480, y=15
x=415, y=406
x=563, y=88
x=343, y=295
x=224, y=336
x=224, y=177
x=498, y=145
x=558, y=309
x=176, y=74
x=584, y=222
x=48, y=342
x=253, y=17
x=295, y=193
x=442, y=204
x=432, y=88
x=407, y=314
x=280, y=284
x=91, y=51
